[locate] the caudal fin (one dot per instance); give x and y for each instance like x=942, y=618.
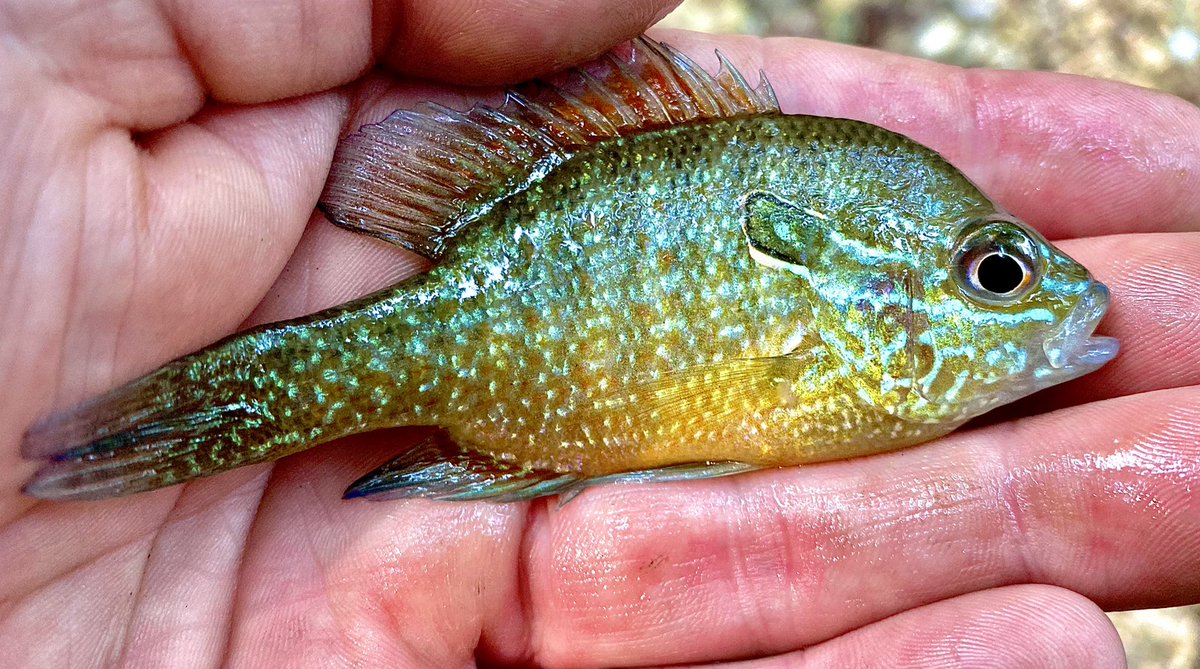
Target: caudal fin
x=172, y=425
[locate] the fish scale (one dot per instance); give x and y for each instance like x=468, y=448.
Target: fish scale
x=680, y=236
x=645, y=273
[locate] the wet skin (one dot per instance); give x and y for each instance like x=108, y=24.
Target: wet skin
x=1088, y=490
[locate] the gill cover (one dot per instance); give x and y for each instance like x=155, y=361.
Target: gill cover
x=873, y=317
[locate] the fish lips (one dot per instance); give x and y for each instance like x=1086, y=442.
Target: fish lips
x=1071, y=346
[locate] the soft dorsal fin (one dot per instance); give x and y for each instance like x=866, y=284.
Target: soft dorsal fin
x=419, y=177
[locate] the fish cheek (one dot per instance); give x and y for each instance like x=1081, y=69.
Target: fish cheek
x=883, y=333
x=877, y=325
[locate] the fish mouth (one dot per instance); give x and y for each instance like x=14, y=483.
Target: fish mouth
x=1071, y=346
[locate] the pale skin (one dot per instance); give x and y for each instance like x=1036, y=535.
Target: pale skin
x=147, y=215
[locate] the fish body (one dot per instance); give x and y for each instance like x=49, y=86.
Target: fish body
x=628, y=295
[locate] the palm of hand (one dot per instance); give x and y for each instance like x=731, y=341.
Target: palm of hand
x=117, y=255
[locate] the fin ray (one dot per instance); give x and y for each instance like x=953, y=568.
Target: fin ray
x=687, y=471
x=454, y=165
x=134, y=438
x=712, y=391
x=437, y=468
x=193, y=417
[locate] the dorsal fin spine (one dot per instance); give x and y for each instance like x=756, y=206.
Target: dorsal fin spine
x=621, y=115
x=492, y=126
x=594, y=122
x=541, y=117
x=419, y=177
x=677, y=105
x=766, y=94
x=502, y=122
x=641, y=93
x=696, y=95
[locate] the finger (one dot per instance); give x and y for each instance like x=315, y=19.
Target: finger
x=253, y=52
x=332, y=266
x=1018, y=626
x=1095, y=498
x=1073, y=156
x=498, y=41
x=119, y=258
x=148, y=64
x=130, y=582
x=374, y=584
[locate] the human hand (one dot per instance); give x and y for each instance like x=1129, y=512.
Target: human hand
x=145, y=220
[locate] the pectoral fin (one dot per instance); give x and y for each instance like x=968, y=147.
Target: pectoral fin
x=709, y=394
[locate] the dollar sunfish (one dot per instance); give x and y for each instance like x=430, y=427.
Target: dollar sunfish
x=645, y=272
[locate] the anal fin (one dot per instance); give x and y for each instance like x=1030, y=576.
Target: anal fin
x=438, y=468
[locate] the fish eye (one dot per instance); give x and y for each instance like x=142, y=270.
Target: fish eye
x=997, y=262
x=998, y=274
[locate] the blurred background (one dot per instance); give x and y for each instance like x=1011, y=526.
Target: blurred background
x=1152, y=43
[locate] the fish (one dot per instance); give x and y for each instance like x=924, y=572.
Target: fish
x=641, y=272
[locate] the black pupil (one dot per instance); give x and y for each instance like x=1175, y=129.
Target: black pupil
x=1000, y=274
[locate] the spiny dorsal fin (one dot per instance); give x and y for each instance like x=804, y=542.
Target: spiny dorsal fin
x=419, y=177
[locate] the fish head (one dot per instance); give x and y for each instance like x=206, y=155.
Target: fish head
x=1006, y=315
x=936, y=320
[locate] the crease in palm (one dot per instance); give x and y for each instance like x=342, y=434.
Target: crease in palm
x=278, y=546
